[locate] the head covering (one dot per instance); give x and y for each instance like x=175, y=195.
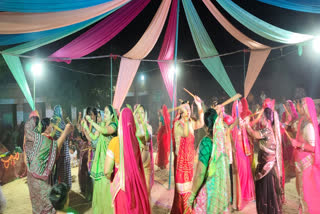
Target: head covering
x=294, y=113
x=34, y=113
x=228, y=119
x=57, y=116
x=268, y=103
x=57, y=111
x=312, y=115
x=132, y=179
x=245, y=108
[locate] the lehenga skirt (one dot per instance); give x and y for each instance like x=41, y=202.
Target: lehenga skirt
x=268, y=194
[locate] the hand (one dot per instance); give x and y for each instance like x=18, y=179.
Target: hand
x=246, y=120
x=88, y=118
x=197, y=100
x=218, y=109
x=69, y=128
x=295, y=143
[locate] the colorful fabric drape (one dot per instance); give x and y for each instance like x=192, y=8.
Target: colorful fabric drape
x=206, y=48
x=102, y=32
x=14, y=23
x=257, y=58
x=42, y=6
x=14, y=62
x=167, y=49
x=130, y=65
x=261, y=27
x=310, y=6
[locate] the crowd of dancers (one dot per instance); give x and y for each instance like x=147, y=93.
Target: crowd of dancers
x=116, y=167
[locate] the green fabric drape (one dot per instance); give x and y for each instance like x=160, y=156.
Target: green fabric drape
x=14, y=62
x=206, y=48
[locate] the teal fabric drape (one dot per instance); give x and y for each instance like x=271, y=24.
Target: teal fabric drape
x=206, y=48
x=261, y=27
x=14, y=62
x=309, y=6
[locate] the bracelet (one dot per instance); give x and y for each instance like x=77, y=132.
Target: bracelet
x=200, y=111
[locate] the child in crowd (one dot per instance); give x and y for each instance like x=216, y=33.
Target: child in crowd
x=59, y=197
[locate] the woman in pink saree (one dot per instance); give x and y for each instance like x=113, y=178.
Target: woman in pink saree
x=307, y=158
x=243, y=191
x=128, y=187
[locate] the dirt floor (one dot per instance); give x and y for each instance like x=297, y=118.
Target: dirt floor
x=17, y=196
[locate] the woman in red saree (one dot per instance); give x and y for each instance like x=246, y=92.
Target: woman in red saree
x=163, y=138
x=290, y=120
x=307, y=158
x=124, y=167
x=184, y=155
x=243, y=191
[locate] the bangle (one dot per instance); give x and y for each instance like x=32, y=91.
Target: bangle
x=200, y=111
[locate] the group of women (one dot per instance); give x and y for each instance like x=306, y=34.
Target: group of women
x=116, y=158
x=227, y=175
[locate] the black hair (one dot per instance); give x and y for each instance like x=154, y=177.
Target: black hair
x=111, y=110
x=210, y=117
x=45, y=122
x=58, y=196
x=268, y=113
x=90, y=110
x=184, y=102
x=36, y=120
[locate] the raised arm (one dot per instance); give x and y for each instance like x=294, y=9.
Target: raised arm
x=308, y=142
x=253, y=133
x=68, y=129
x=200, y=122
x=106, y=130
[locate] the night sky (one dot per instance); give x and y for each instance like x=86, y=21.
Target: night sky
x=281, y=74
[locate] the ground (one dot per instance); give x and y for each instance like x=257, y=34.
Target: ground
x=18, y=201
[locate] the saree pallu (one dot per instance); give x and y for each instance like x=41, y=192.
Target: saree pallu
x=308, y=182
x=215, y=195
x=183, y=175
x=244, y=183
x=163, y=140
x=102, y=200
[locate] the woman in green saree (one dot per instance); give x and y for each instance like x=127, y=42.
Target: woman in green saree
x=102, y=201
x=211, y=186
x=41, y=154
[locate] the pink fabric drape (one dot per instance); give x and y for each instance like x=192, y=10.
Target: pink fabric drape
x=101, y=33
x=15, y=23
x=167, y=49
x=257, y=58
x=134, y=180
x=129, y=67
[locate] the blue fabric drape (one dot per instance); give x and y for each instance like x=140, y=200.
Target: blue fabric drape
x=309, y=6
x=41, y=6
x=261, y=27
x=206, y=48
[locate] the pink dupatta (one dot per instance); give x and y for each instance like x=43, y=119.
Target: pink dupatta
x=132, y=180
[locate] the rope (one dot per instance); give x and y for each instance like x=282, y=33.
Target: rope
x=154, y=60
